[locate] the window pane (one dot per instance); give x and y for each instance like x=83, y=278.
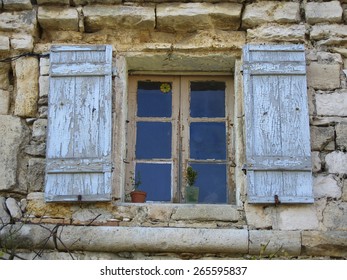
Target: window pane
x=207, y=140
x=212, y=182
x=153, y=140
x=154, y=99
x=155, y=180
x=207, y=99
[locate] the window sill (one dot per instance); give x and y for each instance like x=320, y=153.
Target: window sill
x=197, y=212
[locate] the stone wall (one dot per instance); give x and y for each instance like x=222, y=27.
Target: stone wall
x=195, y=36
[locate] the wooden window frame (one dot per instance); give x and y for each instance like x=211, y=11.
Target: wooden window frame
x=180, y=130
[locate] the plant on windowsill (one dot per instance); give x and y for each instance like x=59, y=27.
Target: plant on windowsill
x=191, y=191
x=137, y=196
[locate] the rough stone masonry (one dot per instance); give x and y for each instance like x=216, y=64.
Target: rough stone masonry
x=197, y=36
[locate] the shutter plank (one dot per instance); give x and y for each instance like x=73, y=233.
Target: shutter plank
x=277, y=124
x=61, y=118
x=79, y=124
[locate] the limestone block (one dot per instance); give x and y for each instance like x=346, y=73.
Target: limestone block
x=316, y=162
x=17, y=4
x=189, y=17
x=138, y=239
x=336, y=162
x=206, y=213
x=58, y=18
x=27, y=76
x=43, y=112
x=329, y=34
x=323, y=76
x=341, y=135
x=117, y=17
x=4, y=44
x=4, y=215
x=86, y=2
x=322, y=138
x=159, y=212
x=148, y=239
x=19, y=22
x=334, y=104
x=4, y=75
x=323, y=12
x=344, y=191
x=39, y=130
x=4, y=102
x=36, y=149
x=22, y=43
x=300, y=217
x=53, y=2
x=14, y=209
x=327, y=57
x=85, y=215
x=270, y=11
x=44, y=86
x=326, y=186
x=335, y=215
x=276, y=242
x=44, y=66
x=28, y=236
x=36, y=173
x=209, y=40
x=277, y=33
x=258, y=217
x=181, y=62
x=23, y=204
x=329, y=243
x=10, y=145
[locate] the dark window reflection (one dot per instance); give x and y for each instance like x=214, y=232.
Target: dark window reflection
x=212, y=182
x=207, y=99
x=154, y=99
x=207, y=140
x=156, y=180
x=153, y=140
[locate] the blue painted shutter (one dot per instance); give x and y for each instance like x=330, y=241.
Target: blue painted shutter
x=79, y=124
x=278, y=155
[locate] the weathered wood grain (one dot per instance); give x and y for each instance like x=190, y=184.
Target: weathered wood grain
x=277, y=124
x=79, y=124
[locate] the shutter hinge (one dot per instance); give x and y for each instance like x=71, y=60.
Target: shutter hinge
x=244, y=169
x=277, y=200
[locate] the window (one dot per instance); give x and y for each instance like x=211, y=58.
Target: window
x=176, y=122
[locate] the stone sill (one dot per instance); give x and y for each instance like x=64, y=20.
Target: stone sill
x=197, y=212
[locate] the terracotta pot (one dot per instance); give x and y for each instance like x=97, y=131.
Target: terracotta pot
x=138, y=196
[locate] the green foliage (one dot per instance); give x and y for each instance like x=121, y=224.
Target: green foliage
x=136, y=180
x=280, y=253
x=191, y=176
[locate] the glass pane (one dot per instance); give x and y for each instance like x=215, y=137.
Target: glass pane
x=212, y=182
x=207, y=99
x=153, y=140
x=154, y=99
x=207, y=140
x=155, y=180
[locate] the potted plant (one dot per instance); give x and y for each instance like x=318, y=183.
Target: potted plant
x=191, y=191
x=136, y=194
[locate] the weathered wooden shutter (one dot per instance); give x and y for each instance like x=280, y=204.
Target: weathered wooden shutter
x=278, y=155
x=79, y=124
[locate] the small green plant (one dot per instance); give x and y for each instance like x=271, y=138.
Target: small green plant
x=191, y=176
x=136, y=180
